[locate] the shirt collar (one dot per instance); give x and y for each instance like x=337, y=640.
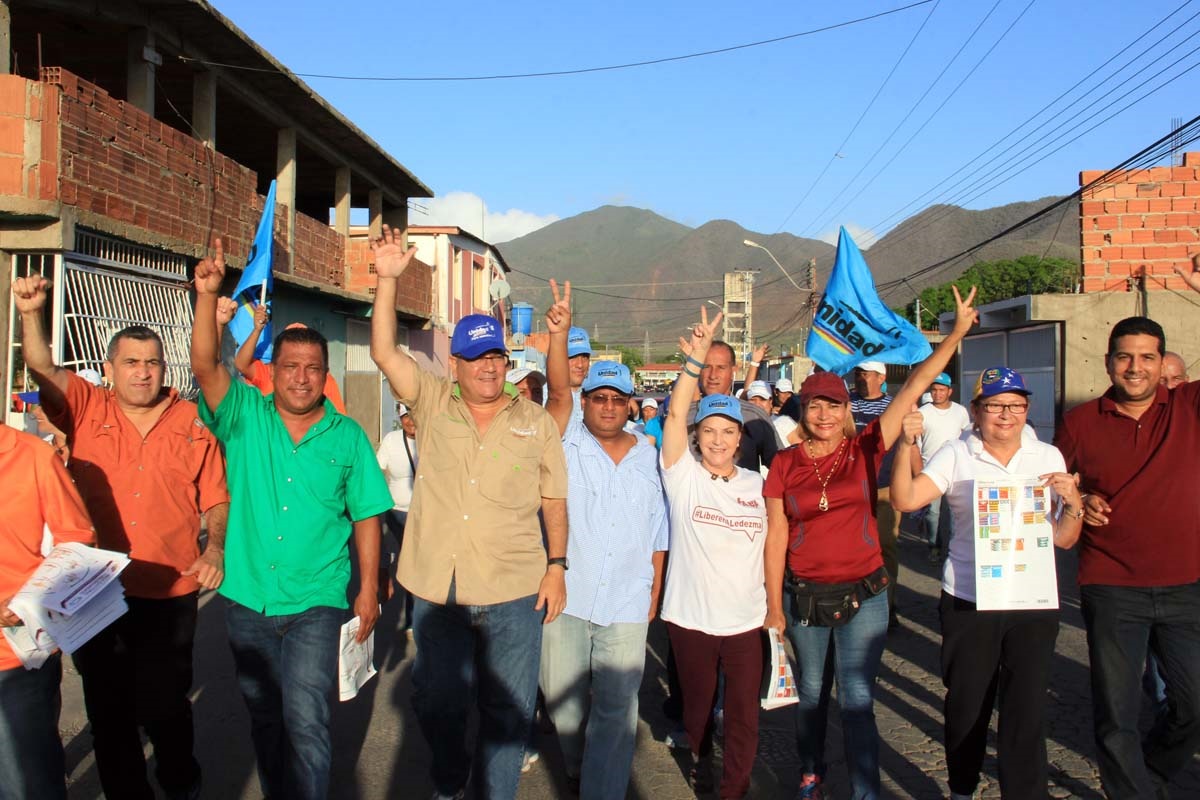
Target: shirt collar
x=509, y=390
x=975, y=448
x=1108, y=402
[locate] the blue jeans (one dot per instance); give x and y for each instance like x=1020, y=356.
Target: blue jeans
x=854, y=660
x=937, y=519
x=287, y=668
x=1122, y=621
x=490, y=653
x=601, y=665
x=31, y=754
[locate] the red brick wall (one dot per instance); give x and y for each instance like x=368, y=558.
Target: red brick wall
x=414, y=295
x=1140, y=223
x=28, y=139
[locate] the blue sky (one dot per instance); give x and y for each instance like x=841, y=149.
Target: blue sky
x=740, y=135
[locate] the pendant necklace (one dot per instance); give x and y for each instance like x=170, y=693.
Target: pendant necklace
x=823, y=504
x=714, y=475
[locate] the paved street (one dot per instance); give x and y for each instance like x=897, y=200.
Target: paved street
x=379, y=753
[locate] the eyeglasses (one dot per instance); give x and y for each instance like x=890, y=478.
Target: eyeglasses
x=488, y=360
x=1011, y=408
x=607, y=399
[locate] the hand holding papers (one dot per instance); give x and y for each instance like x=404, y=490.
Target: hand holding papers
x=73, y=595
x=355, y=661
x=778, y=684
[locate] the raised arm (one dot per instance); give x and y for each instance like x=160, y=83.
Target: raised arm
x=244, y=360
x=558, y=378
x=29, y=297
x=1190, y=276
x=391, y=259
x=757, y=356
x=891, y=420
x=206, y=340
x=674, y=427
x=910, y=490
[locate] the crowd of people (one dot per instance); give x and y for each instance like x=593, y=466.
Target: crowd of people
x=543, y=522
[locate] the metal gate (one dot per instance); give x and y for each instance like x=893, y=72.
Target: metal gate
x=1034, y=351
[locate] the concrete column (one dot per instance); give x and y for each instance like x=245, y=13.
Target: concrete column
x=204, y=107
x=375, y=207
x=285, y=188
x=139, y=69
x=341, y=201
x=5, y=38
x=397, y=218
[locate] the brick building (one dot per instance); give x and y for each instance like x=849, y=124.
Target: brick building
x=122, y=155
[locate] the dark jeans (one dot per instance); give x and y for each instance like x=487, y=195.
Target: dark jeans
x=31, y=754
x=1121, y=622
x=986, y=654
x=395, y=521
x=488, y=654
x=287, y=668
x=739, y=656
x=138, y=672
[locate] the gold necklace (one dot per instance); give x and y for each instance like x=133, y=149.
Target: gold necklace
x=823, y=504
x=714, y=475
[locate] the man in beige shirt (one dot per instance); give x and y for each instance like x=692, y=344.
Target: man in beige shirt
x=473, y=552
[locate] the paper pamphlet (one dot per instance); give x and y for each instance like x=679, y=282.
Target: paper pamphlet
x=778, y=687
x=355, y=661
x=72, y=595
x=1014, y=545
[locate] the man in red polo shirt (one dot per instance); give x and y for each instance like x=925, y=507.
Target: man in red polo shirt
x=147, y=468
x=1139, y=556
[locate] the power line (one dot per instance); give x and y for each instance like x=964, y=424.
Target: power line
x=565, y=72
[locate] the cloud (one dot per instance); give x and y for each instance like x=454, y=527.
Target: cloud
x=469, y=212
x=862, y=236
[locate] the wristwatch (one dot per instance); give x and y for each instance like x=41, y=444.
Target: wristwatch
x=559, y=562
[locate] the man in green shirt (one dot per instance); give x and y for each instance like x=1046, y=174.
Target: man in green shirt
x=302, y=478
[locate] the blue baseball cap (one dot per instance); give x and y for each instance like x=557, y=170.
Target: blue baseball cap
x=999, y=380
x=476, y=334
x=578, y=343
x=608, y=374
x=943, y=380
x=719, y=405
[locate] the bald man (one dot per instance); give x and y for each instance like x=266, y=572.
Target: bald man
x=1174, y=370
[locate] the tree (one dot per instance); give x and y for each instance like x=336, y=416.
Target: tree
x=1000, y=280
x=630, y=357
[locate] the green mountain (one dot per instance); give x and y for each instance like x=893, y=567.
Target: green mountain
x=635, y=272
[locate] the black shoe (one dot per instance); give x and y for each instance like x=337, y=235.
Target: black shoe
x=701, y=777
x=573, y=785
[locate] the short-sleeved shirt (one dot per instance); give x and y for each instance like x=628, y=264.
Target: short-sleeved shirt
x=260, y=378
x=1145, y=468
x=294, y=504
x=397, y=457
x=38, y=494
x=840, y=544
x=474, y=512
x=865, y=412
x=653, y=430
x=942, y=425
x=618, y=521
x=954, y=469
x=145, y=495
x=715, y=580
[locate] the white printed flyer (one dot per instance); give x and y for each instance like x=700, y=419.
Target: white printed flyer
x=1014, y=546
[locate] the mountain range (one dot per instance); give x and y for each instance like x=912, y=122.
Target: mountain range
x=636, y=273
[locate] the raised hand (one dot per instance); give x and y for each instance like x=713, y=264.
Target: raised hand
x=391, y=259
x=1190, y=276
x=912, y=426
x=964, y=314
x=558, y=316
x=210, y=272
x=261, y=316
x=702, y=335
x=761, y=352
x=29, y=294
x=1065, y=485
x=226, y=310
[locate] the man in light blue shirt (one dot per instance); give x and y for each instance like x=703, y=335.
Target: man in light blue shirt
x=594, y=653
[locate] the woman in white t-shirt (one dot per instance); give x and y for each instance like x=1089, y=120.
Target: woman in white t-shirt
x=992, y=654
x=715, y=601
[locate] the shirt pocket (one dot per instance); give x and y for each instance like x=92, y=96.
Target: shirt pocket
x=328, y=473
x=448, y=442
x=512, y=480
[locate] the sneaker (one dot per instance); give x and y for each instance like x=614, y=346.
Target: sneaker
x=529, y=759
x=678, y=740
x=810, y=788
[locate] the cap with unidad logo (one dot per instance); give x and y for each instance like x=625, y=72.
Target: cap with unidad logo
x=998, y=380
x=719, y=405
x=608, y=375
x=784, y=385
x=476, y=334
x=578, y=343
x=758, y=389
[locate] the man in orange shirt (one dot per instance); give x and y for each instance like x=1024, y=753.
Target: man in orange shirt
x=38, y=495
x=258, y=374
x=146, y=468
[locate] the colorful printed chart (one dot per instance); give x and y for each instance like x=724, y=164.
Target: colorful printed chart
x=778, y=684
x=1014, y=546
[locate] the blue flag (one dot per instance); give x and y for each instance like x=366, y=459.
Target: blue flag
x=853, y=325
x=249, y=291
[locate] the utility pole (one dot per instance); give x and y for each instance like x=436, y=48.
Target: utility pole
x=919, y=313
x=646, y=349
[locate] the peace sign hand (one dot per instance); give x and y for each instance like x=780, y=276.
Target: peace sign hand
x=702, y=335
x=558, y=316
x=964, y=314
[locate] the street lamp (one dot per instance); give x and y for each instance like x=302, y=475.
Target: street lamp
x=749, y=243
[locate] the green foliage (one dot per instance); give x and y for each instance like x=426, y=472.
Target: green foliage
x=630, y=357
x=1000, y=280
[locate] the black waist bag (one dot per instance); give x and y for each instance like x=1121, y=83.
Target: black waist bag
x=828, y=605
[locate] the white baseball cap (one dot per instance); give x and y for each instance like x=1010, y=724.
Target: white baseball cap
x=401, y=410
x=784, y=385
x=758, y=389
x=517, y=375
x=649, y=402
x=873, y=366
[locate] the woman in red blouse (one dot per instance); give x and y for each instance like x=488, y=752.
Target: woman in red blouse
x=824, y=572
